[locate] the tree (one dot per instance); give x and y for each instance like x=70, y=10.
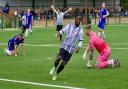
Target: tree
x=124, y=3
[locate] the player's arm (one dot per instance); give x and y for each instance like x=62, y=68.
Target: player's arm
x=107, y=14
x=89, y=64
x=87, y=49
x=23, y=49
x=80, y=41
x=65, y=29
x=68, y=10
x=15, y=50
x=54, y=9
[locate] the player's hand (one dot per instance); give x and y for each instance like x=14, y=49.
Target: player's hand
x=57, y=34
x=52, y=6
x=70, y=8
x=104, y=16
x=77, y=49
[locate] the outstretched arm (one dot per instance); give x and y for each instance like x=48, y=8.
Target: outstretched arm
x=54, y=9
x=65, y=29
x=68, y=10
x=87, y=49
x=106, y=14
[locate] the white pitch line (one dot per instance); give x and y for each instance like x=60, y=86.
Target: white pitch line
x=119, y=43
x=58, y=45
x=40, y=84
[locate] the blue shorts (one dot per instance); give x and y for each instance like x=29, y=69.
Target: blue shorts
x=10, y=45
x=28, y=26
x=101, y=25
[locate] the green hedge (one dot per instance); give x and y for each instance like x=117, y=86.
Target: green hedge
x=8, y=23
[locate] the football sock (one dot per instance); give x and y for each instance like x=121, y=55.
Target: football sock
x=30, y=30
x=61, y=67
x=56, y=64
x=60, y=37
x=103, y=35
x=26, y=34
x=99, y=33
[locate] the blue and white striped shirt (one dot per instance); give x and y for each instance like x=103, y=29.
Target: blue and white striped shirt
x=73, y=34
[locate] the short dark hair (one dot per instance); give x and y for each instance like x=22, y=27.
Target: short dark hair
x=78, y=17
x=88, y=26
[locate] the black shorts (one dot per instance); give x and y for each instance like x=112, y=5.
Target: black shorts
x=23, y=29
x=59, y=27
x=64, y=54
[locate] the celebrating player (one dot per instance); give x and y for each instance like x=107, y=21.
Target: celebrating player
x=13, y=43
x=95, y=41
x=74, y=33
x=102, y=20
x=59, y=19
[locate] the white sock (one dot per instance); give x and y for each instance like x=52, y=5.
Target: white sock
x=110, y=61
x=103, y=35
x=30, y=30
x=26, y=34
x=99, y=33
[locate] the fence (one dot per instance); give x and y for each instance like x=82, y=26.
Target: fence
x=10, y=21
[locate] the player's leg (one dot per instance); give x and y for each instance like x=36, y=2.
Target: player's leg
x=60, y=28
x=59, y=57
x=30, y=30
x=56, y=63
x=27, y=30
x=62, y=63
x=101, y=30
x=26, y=33
x=55, y=73
x=102, y=60
x=9, y=50
x=66, y=58
x=23, y=29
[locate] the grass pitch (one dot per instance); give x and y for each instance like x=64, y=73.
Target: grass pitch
x=41, y=50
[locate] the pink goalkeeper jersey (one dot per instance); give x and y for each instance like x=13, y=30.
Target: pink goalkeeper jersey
x=97, y=42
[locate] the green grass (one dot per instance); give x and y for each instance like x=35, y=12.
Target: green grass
x=35, y=66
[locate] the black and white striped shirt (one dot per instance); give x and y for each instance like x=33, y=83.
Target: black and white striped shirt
x=73, y=34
